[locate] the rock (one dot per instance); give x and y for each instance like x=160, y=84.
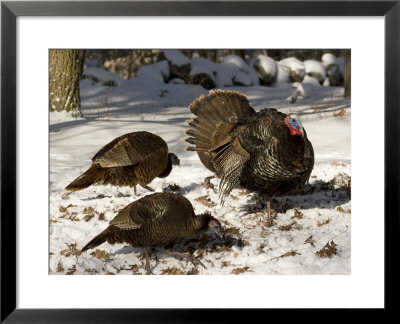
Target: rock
x=315, y=69
x=294, y=68
x=179, y=64
x=102, y=77
x=333, y=69
x=266, y=68
x=203, y=72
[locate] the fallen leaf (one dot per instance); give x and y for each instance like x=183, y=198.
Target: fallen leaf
x=297, y=214
x=340, y=113
x=88, y=217
x=100, y=254
x=328, y=250
x=71, y=270
x=59, y=267
x=237, y=271
x=310, y=241
x=319, y=224
x=172, y=271
x=88, y=210
x=205, y=200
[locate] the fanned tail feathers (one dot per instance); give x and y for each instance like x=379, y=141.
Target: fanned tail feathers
x=215, y=115
x=212, y=135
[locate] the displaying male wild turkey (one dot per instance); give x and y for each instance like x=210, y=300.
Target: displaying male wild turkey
x=156, y=220
x=131, y=159
x=266, y=151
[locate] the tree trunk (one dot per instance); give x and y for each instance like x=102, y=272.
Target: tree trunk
x=64, y=81
x=347, y=74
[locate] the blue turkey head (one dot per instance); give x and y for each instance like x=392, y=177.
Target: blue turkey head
x=293, y=122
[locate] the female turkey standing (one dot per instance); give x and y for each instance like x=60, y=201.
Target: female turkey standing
x=156, y=220
x=131, y=159
x=267, y=151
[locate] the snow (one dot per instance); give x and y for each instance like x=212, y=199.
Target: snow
x=176, y=57
x=282, y=76
x=304, y=223
x=99, y=75
x=204, y=62
x=176, y=81
x=236, y=60
x=202, y=65
x=295, y=65
x=253, y=76
x=311, y=80
x=313, y=66
x=268, y=64
x=156, y=72
x=225, y=74
x=328, y=59
x=242, y=78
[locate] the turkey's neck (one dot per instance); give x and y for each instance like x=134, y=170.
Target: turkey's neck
x=167, y=169
x=297, y=145
x=199, y=224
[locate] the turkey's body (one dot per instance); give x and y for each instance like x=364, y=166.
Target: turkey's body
x=155, y=220
x=249, y=149
x=131, y=159
x=279, y=163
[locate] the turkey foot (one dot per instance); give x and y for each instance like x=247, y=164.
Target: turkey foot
x=207, y=182
x=189, y=257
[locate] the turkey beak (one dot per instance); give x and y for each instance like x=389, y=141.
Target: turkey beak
x=219, y=232
x=299, y=130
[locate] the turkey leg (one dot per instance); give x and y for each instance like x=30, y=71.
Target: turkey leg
x=269, y=213
x=146, y=253
x=207, y=182
x=187, y=256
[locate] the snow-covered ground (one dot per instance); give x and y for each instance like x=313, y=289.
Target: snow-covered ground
x=311, y=232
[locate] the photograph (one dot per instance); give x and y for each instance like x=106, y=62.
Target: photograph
x=213, y=161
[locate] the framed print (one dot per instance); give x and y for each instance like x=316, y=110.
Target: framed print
x=317, y=250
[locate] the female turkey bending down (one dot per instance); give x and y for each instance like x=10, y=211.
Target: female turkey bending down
x=266, y=151
x=131, y=159
x=156, y=220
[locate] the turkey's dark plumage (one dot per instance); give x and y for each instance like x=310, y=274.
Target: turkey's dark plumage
x=155, y=220
x=254, y=150
x=131, y=159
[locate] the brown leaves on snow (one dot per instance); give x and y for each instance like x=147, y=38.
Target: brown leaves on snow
x=100, y=254
x=310, y=240
x=341, y=113
x=237, y=271
x=172, y=271
x=72, y=250
x=285, y=255
x=205, y=200
x=328, y=250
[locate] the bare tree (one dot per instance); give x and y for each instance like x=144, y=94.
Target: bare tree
x=64, y=75
x=347, y=73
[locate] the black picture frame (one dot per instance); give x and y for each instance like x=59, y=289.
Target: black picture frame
x=10, y=10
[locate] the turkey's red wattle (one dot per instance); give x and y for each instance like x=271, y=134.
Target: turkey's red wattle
x=294, y=131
